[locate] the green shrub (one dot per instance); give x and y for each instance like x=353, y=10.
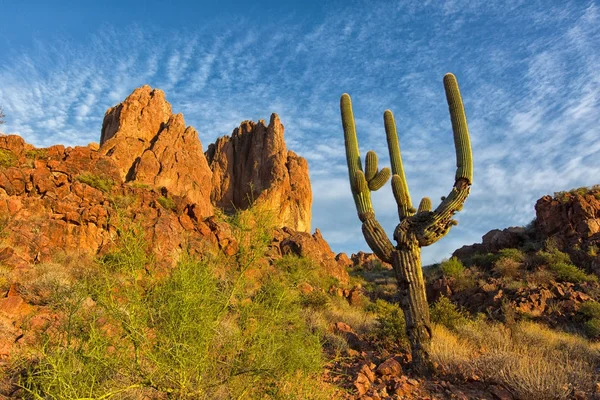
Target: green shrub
x=7, y=158
x=101, y=183
x=592, y=327
x=590, y=309
x=513, y=254
x=316, y=299
x=507, y=267
x=167, y=203
x=570, y=273
x=37, y=154
x=452, y=268
x=391, y=326
x=482, y=260
x=195, y=333
x=446, y=313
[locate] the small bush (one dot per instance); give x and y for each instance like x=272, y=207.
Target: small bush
x=590, y=309
x=37, y=154
x=101, y=183
x=507, y=267
x=482, y=260
x=452, y=268
x=570, y=273
x=316, y=299
x=446, y=313
x=540, y=277
x=592, y=327
x=391, y=326
x=7, y=158
x=512, y=254
x=167, y=203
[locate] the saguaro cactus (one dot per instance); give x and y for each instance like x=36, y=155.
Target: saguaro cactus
x=417, y=228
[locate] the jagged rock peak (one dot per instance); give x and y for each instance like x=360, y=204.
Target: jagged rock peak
x=153, y=146
x=253, y=166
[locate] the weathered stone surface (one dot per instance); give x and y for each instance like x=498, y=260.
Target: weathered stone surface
x=493, y=241
x=389, y=367
x=569, y=219
x=314, y=247
x=368, y=261
x=150, y=145
x=50, y=203
x=253, y=166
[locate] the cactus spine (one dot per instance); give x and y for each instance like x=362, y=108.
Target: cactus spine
x=416, y=228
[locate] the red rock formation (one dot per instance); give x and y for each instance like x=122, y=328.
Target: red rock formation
x=254, y=166
x=572, y=218
x=302, y=244
x=150, y=145
x=67, y=199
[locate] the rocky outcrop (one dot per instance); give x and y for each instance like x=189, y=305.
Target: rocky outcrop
x=570, y=218
x=287, y=241
x=151, y=145
x=495, y=240
x=253, y=166
x=70, y=200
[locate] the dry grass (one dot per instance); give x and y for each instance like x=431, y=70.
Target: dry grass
x=531, y=360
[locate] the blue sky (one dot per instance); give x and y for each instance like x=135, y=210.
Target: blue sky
x=529, y=72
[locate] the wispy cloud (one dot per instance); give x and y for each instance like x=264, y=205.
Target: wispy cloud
x=529, y=73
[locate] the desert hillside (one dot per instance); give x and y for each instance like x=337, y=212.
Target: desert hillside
x=150, y=267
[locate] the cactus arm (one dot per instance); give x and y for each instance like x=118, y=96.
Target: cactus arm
x=399, y=184
x=379, y=179
x=374, y=234
x=462, y=141
x=358, y=182
x=441, y=219
x=370, y=165
x=425, y=205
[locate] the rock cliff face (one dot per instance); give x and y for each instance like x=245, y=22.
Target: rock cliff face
x=570, y=217
x=70, y=200
x=151, y=145
x=254, y=165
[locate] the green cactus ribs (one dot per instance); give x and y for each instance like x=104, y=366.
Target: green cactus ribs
x=417, y=228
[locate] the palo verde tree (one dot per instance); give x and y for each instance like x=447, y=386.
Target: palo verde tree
x=417, y=228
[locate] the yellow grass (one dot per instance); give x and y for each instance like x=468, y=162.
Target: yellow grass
x=531, y=360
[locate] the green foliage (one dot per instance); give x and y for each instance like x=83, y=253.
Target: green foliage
x=37, y=154
x=592, y=327
x=513, y=254
x=559, y=263
x=196, y=333
x=391, y=326
x=446, y=313
x=101, y=183
x=482, y=260
x=167, y=203
x=452, y=268
x=7, y=158
x=590, y=309
x=570, y=273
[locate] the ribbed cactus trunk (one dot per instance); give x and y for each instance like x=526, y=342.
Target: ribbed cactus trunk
x=413, y=302
x=417, y=228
